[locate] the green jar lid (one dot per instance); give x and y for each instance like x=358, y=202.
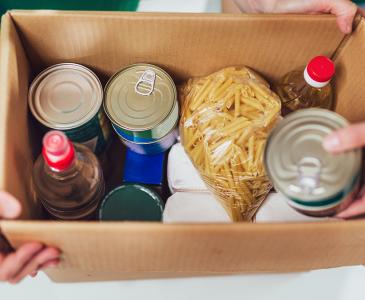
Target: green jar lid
x=131, y=202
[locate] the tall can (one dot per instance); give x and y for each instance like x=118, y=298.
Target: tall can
x=141, y=102
x=69, y=97
x=315, y=182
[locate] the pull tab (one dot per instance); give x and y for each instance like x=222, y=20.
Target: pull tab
x=146, y=83
x=309, y=171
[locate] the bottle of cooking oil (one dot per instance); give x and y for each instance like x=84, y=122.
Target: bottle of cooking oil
x=68, y=179
x=310, y=88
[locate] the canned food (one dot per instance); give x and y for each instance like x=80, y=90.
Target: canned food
x=131, y=202
x=315, y=182
x=141, y=102
x=150, y=148
x=68, y=97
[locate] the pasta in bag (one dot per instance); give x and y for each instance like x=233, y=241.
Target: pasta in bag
x=226, y=119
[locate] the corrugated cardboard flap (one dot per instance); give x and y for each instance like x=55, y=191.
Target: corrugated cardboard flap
x=127, y=249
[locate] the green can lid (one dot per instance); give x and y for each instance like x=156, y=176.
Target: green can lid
x=140, y=97
x=131, y=202
x=297, y=163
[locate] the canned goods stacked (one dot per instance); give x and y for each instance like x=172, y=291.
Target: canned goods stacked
x=141, y=102
x=315, y=182
x=69, y=97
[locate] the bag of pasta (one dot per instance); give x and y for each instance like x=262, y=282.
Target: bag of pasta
x=226, y=119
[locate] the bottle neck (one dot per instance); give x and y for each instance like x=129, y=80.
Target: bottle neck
x=67, y=173
x=313, y=83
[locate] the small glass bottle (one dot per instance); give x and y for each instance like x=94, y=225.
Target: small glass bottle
x=68, y=179
x=310, y=88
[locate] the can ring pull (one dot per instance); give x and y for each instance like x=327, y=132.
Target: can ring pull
x=146, y=83
x=309, y=171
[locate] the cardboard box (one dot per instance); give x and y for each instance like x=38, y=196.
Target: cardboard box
x=185, y=45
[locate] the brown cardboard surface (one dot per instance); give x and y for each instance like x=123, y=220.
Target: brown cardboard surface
x=142, y=250
x=14, y=131
x=185, y=45
x=349, y=79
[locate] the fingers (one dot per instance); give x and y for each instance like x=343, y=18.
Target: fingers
x=13, y=263
x=27, y=260
x=34, y=274
x=361, y=11
x=355, y=209
x=50, y=264
x=9, y=206
x=345, y=139
x=46, y=255
x=345, y=12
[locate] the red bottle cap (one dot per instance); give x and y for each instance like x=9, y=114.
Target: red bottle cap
x=321, y=69
x=58, y=151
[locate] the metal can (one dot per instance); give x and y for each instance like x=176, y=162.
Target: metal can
x=141, y=102
x=131, y=202
x=315, y=182
x=69, y=97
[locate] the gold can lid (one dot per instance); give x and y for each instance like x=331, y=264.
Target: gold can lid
x=140, y=97
x=65, y=96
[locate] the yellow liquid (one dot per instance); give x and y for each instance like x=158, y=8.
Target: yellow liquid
x=296, y=94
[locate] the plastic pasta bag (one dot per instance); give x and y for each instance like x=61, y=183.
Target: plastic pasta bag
x=226, y=119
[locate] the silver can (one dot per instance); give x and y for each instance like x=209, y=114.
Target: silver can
x=69, y=97
x=315, y=182
x=141, y=102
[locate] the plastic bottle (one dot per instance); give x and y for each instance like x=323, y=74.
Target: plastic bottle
x=68, y=179
x=310, y=88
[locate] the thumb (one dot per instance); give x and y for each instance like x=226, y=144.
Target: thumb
x=345, y=139
x=345, y=12
x=357, y=208
x=9, y=206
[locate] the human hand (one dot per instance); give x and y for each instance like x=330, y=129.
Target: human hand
x=349, y=138
x=344, y=10
x=29, y=258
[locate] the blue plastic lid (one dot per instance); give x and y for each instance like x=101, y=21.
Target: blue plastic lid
x=144, y=169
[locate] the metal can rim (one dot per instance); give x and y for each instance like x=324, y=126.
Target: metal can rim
x=175, y=102
x=81, y=122
x=156, y=196
x=318, y=111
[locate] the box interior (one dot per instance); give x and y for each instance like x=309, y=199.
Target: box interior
x=186, y=45
x=165, y=41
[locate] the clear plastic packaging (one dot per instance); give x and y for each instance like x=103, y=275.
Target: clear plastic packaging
x=226, y=119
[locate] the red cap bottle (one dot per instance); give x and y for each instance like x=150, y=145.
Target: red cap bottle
x=319, y=71
x=58, y=151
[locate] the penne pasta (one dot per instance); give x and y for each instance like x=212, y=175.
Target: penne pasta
x=223, y=88
x=252, y=102
x=237, y=104
x=199, y=97
x=226, y=119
